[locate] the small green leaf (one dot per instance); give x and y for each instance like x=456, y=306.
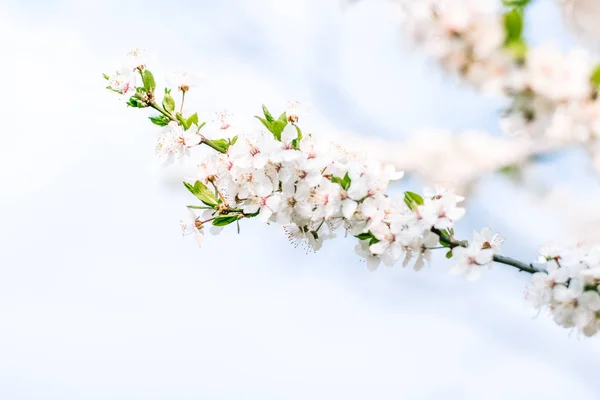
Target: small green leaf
x=413, y=200
x=364, y=236
x=283, y=117
x=168, y=103
x=254, y=214
x=415, y=197
x=343, y=182
x=148, y=79
x=187, y=122
x=136, y=102
x=449, y=254
x=201, y=126
x=233, y=140
x=203, y=193
x=193, y=119
x=296, y=142
x=267, y=114
x=277, y=127
x=160, y=120
x=595, y=78
x=516, y=3
x=106, y=76
x=513, y=23
x=266, y=123
x=225, y=220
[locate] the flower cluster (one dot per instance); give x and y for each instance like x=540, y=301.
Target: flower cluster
x=486, y=48
x=476, y=255
x=570, y=289
x=465, y=36
x=316, y=189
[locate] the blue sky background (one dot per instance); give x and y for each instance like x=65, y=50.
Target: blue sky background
x=101, y=298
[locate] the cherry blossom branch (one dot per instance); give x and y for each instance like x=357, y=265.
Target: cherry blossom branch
x=316, y=189
x=453, y=243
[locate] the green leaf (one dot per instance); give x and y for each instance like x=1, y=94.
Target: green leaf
x=225, y=220
x=168, y=103
x=148, y=79
x=513, y=24
x=114, y=90
x=449, y=254
x=266, y=123
x=106, y=76
x=277, y=127
x=414, y=197
x=201, y=126
x=181, y=119
x=516, y=3
x=343, y=182
x=595, y=78
x=254, y=214
x=203, y=193
x=511, y=171
x=199, y=208
x=413, y=200
x=364, y=236
x=296, y=142
x=193, y=119
x=160, y=120
x=233, y=140
x=187, y=123
x=368, y=236
x=267, y=114
x=136, y=102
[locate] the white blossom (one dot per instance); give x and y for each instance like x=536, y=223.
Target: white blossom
x=570, y=288
x=136, y=59
x=182, y=80
x=123, y=82
x=173, y=142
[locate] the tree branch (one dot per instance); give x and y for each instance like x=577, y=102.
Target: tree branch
x=451, y=242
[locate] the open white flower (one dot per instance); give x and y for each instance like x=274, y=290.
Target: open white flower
x=136, y=59
x=122, y=82
x=182, y=80
x=190, y=224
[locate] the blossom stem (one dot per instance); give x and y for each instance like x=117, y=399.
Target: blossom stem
x=206, y=141
x=451, y=242
x=158, y=108
x=212, y=182
x=182, y=101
